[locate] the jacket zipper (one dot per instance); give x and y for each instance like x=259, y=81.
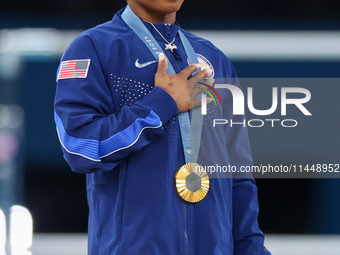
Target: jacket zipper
x=185, y=206
x=168, y=37
x=185, y=212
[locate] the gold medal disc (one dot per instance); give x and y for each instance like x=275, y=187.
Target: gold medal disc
x=192, y=182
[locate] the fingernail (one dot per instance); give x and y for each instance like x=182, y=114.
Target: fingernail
x=209, y=99
x=161, y=56
x=198, y=65
x=208, y=71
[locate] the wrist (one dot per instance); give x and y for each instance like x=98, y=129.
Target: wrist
x=161, y=102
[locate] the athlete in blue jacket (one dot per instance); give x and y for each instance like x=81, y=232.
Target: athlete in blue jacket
x=116, y=111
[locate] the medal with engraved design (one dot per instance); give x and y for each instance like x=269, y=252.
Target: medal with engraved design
x=192, y=182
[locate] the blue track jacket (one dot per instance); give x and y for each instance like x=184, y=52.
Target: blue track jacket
x=123, y=133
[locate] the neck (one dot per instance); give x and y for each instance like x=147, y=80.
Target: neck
x=152, y=16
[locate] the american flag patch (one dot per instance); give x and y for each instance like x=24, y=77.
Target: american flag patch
x=74, y=69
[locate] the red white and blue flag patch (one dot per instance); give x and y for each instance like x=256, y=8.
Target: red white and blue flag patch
x=74, y=69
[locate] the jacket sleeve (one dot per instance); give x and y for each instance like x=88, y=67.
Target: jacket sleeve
x=93, y=135
x=247, y=236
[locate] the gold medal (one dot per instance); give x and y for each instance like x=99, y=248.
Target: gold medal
x=192, y=182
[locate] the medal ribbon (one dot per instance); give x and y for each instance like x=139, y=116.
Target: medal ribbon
x=191, y=134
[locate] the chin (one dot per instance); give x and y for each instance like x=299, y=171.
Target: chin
x=166, y=6
x=171, y=8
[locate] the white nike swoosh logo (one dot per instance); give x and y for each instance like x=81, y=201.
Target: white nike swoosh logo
x=144, y=64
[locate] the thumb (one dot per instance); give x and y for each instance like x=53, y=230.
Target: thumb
x=162, y=64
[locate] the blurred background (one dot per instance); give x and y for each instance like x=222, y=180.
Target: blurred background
x=264, y=39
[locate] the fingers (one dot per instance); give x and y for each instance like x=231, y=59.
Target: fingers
x=197, y=90
x=189, y=70
x=209, y=81
x=200, y=76
x=162, y=64
x=195, y=103
x=199, y=87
